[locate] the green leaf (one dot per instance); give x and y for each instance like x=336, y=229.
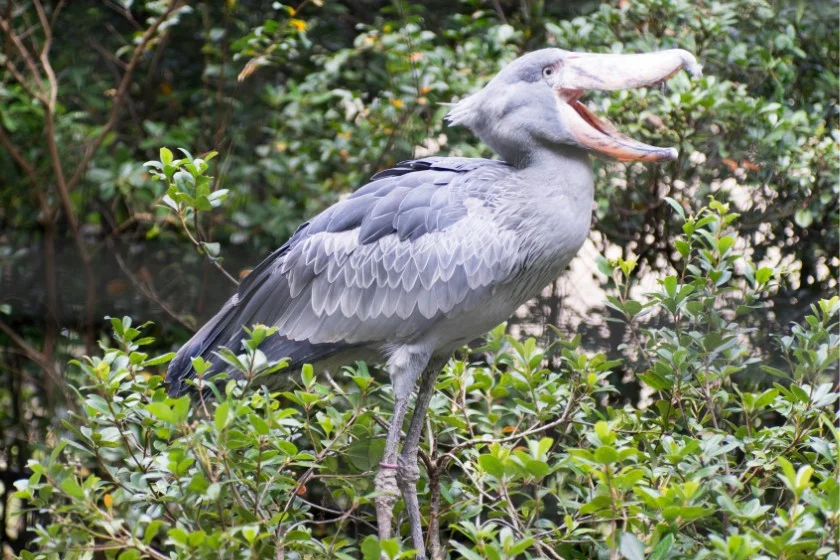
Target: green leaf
x=466, y=553
x=803, y=218
x=690, y=513
x=365, y=453
x=606, y=455
x=762, y=275
x=72, y=488
x=390, y=547
x=597, y=504
x=212, y=249
x=180, y=409
x=676, y=206
x=775, y=372
x=725, y=243
x=161, y=411
x=656, y=381
x=152, y=530
x=165, y=156
x=631, y=548
x=604, y=433
x=163, y=359
x=222, y=415
x=491, y=465
x=661, y=550
x=537, y=468
x=520, y=547
x=178, y=535
x=683, y=247
x=307, y=375
x=250, y=532
x=259, y=424
x=370, y=548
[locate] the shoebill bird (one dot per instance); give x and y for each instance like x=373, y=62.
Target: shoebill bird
x=435, y=252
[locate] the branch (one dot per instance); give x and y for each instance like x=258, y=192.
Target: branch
x=30, y=351
x=45, y=53
x=567, y=412
x=24, y=164
x=534, y=430
x=199, y=245
x=6, y=26
x=38, y=357
x=122, y=89
x=147, y=290
x=61, y=185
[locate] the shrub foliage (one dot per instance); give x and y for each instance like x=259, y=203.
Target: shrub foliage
x=530, y=452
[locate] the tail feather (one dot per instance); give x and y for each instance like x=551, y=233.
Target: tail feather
x=226, y=329
x=215, y=333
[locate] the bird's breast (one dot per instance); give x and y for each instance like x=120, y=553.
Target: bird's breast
x=556, y=227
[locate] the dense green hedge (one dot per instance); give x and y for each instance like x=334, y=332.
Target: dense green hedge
x=522, y=460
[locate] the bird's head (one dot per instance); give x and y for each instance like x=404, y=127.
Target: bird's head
x=534, y=103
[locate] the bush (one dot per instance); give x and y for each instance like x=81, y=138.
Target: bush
x=531, y=452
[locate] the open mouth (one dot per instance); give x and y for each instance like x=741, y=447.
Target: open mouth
x=601, y=136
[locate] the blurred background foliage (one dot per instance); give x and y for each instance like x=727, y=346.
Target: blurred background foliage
x=305, y=101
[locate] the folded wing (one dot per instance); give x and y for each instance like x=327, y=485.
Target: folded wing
x=415, y=244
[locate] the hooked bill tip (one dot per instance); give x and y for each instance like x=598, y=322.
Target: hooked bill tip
x=696, y=70
x=690, y=64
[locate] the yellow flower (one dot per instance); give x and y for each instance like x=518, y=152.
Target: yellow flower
x=298, y=24
x=397, y=103
x=108, y=500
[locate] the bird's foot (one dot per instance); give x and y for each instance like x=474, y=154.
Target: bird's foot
x=387, y=492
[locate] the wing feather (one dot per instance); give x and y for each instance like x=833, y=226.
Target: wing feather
x=386, y=263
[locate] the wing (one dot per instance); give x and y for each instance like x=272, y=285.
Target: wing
x=396, y=256
x=415, y=244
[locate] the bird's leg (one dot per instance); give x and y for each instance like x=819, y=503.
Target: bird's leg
x=409, y=473
x=385, y=481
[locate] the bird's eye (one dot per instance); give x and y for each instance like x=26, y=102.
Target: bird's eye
x=548, y=71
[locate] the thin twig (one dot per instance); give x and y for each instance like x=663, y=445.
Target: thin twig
x=33, y=354
x=122, y=89
x=534, y=430
x=199, y=245
x=147, y=290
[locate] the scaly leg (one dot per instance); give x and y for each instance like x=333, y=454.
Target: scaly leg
x=385, y=481
x=409, y=473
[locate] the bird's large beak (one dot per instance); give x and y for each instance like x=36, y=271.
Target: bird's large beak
x=583, y=71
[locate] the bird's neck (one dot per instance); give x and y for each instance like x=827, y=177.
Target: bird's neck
x=547, y=157
x=557, y=188
x=554, y=199
x=563, y=169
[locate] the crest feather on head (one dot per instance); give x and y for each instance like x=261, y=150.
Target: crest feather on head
x=463, y=112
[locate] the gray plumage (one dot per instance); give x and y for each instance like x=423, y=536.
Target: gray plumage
x=421, y=242
x=437, y=251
